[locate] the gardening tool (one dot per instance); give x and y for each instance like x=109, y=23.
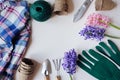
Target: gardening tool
x=82, y=10
x=46, y=69
x=57, y=64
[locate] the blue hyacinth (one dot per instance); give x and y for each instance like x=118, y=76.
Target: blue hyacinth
x=90, y=32
x=69, y=62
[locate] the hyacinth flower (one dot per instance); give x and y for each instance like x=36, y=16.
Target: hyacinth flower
x=90, y=32
x=97, y=19
x=69, y=62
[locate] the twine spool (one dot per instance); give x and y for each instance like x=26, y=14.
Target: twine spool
x=40, y=10
x=25, y=69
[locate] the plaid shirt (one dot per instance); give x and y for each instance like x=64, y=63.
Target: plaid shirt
x=14, y=35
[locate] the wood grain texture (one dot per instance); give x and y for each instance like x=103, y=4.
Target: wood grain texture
x=47, y=77
x=58, y=78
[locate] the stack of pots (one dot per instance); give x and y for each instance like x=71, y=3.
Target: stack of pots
x=25, y=68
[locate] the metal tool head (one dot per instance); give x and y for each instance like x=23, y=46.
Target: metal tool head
x=57, y=64
x=81, y=11
x=46, y=67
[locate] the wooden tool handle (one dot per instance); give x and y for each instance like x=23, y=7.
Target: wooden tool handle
x=47, y=77
x=58, y=78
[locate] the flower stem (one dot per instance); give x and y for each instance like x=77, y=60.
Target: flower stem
x=70, y=77
x=111, y=36
x=114, y=26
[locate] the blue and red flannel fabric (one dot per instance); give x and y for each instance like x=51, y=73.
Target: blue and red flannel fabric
x=14, y=36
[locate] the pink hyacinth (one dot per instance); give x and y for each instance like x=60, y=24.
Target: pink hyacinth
x=98, y=20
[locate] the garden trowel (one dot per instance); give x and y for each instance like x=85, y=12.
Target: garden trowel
x=46, y=69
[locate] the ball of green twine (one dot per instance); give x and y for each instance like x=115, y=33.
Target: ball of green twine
x=40, y=10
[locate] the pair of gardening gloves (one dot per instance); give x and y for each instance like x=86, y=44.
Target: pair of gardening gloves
x=102, y=63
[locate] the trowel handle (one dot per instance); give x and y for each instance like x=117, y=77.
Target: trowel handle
x=47, y=77
x=58, y=78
